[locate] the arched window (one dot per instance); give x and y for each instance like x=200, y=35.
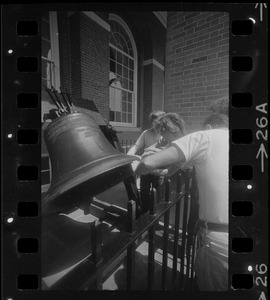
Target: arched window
x=123, y=74
x=50, y=50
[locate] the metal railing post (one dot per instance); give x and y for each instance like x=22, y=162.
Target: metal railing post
x=94, y=257
x=176, y=230
x=165, y=237
x=151, y=248
x=130, y=250
x=184, y=230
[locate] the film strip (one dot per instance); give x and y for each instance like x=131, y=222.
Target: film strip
x=21, y=150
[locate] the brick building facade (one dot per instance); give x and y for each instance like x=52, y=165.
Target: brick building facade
x=84, y=62
x=176, y=61
x=197, y=63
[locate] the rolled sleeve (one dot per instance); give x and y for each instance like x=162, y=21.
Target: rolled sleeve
x=194, y=147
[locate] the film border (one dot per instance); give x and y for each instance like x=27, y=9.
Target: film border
x=15, y=191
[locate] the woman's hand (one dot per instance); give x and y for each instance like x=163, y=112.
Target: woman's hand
x=135, y=163
x=160, y=172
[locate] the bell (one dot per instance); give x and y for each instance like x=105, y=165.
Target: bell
x=83, y=162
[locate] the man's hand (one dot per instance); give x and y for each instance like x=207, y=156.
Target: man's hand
x=151, y=150
x=160, y=160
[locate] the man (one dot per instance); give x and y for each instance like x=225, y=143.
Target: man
x=207, y=151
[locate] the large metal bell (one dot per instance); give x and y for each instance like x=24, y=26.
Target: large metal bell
x=83, y=162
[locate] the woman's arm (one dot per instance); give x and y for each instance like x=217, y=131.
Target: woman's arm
x=133, y=150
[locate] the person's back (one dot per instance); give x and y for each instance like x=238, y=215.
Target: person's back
x=208, y=152
x=210, y=156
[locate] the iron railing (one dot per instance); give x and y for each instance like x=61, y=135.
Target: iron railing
x=107, y=256
x=127, y=144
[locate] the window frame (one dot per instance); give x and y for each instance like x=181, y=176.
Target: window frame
x=54, y=43
x=116, y=18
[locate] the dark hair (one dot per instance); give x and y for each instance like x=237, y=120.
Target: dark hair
x=156, y=114
x=171, y=122
x=216, y=120
x=220, y=106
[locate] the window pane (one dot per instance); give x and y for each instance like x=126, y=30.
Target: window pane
x=118, y=116
x=111, y=115
x=45, y=30
x=125, y=83
x=130, y=75
x=130, y=85
x=125, y=72
x=129, y=97
x=124, y=96
x=129, y=118
x=119, y=57
x=125, y=48
x=46, y=49
x=129, y=107
x=112, y=54
x=131, y=64
x=119, y=70
x=112, y=66
x=113, y=40
x=124, y=117
x=44, y=69
x=124, y=106
x=130, y=52
x=125, y=60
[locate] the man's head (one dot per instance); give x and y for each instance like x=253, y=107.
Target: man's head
x=220, y=106
x=171, y=126
x=216, y=120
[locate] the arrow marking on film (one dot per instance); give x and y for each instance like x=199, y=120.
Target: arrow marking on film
x=262, y=296
x=262, y=5
x=262, y=152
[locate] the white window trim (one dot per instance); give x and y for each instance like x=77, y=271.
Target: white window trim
x=162, y=16
x=113, y=17
x=154, y=62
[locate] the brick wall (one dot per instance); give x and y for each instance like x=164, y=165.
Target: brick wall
x=64, y=50
x=197, y=63
x=74, y=25
x=95, y=64
x=88, y=60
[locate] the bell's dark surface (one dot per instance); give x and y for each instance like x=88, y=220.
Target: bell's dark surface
x=83, y=162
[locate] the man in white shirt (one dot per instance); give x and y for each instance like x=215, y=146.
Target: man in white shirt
x=208, y=152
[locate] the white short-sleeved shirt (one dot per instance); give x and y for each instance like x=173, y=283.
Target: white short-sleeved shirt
x=208, y=152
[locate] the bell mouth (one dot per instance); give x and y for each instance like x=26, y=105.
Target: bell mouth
x=80, y=185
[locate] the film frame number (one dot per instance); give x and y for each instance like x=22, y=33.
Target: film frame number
x=262, y=134
x=261, y=280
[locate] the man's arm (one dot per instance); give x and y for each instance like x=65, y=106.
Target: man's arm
x=164, y=158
